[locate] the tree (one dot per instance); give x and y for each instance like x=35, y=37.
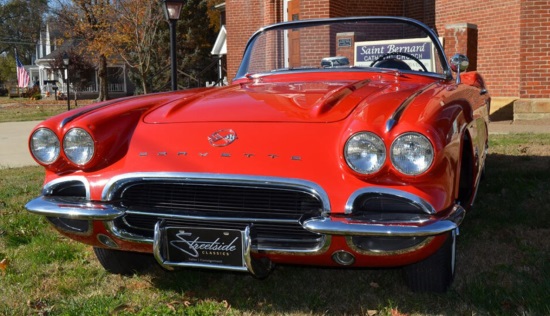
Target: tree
x=8, y=73
x=137, y=26
x=142, y=38
x=137, y=32
x=20, y=24
x=80, y=69
x=196, y=36
x=90, y=21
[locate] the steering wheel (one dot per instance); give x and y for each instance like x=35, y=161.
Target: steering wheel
x=400, y=54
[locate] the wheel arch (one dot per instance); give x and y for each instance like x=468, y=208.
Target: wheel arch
x=466, y=171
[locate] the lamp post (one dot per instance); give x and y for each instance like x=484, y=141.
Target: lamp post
x=172, y=10
x=66, y=63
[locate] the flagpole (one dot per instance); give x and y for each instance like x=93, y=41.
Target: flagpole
x=23, y=78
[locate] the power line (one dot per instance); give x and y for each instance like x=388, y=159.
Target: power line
x=17, y=43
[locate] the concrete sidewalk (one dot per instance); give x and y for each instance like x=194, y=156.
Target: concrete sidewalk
x=15, y=153
x=541, y=126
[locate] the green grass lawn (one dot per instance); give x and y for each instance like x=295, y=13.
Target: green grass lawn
x=503, y=262
x=22, y=109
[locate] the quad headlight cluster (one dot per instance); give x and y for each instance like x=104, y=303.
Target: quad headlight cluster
x=410, y=153
x=78, y=146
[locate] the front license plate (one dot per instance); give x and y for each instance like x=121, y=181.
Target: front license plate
x=190, y=246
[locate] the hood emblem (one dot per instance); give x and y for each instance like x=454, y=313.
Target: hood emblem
x=222, y=138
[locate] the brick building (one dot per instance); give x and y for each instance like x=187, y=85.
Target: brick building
x=508, y=41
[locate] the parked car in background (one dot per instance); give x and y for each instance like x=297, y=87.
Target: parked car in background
x=341, y=142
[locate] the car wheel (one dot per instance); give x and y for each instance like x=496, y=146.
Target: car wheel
x=123, y=262
x=435, y=273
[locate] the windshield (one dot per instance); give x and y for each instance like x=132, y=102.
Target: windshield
x=346, y=43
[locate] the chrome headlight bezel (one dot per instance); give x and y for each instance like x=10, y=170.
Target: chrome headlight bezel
x=365, y=152
x=45, y=146
x=78, y=146
x=412, y=153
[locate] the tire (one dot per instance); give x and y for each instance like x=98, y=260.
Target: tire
x=435, y=273
x=123, y=262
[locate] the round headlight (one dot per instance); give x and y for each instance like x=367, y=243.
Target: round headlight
x=412, y=153
x=78, y=146
x=44, y=145
x=365, y=152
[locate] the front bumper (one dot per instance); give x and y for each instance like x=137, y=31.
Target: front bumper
x=305, y=230
x=79, y=209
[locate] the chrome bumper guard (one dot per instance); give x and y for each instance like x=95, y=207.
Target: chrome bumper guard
x=350, y=227
x=74, y=208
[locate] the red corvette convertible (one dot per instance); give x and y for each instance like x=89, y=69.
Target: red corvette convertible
x=349, y=142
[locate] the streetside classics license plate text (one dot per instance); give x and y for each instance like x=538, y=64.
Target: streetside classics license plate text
x=205, y=246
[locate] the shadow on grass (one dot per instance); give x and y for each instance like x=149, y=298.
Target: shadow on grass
x=503, y=263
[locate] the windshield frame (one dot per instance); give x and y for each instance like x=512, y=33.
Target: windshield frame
x=446, y=73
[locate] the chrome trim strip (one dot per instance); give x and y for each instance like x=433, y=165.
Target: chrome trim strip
x=284, y=183
x=420, y=245
x=478, y=180
x=324, y=245
x=50, y=186
x=242, y=72
x=247, y=249
x=88, y=232
x=55, y=206
x=125, y=236
x=396, y=115
x=214, y=218
x=156, y=248
x=390, y=123
x=230, y=179
x=349, y=227
x=423, y=204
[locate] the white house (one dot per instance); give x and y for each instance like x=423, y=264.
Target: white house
x=50, y=81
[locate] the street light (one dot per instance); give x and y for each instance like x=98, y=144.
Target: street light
x=66, y=63
x=172, y=10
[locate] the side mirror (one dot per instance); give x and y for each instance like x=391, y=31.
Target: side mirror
x=459, y=63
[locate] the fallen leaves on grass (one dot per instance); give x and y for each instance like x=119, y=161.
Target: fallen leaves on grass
x=186, y=303
x=40, y=307
x=174, y=304
x=395, y=312
x=123, y=308
x=392, y=312
x=4, y=265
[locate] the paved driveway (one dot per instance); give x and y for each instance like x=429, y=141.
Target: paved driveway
x=13, y=144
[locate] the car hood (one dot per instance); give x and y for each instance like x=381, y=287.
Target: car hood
x=296, y=101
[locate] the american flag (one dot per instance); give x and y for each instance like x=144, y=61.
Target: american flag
x=23, y=78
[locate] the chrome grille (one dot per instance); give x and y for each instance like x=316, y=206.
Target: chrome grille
x=210, y=199
x=275, y=213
